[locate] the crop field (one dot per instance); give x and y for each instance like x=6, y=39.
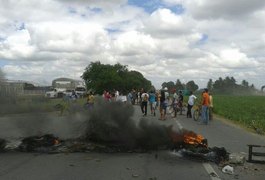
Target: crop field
x=246, y=110
x=31, y=104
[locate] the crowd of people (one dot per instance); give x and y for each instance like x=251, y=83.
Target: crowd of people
x=170, y=105
x=167, y=105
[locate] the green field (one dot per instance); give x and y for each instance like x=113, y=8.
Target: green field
x=246, y=110
x=35, y=104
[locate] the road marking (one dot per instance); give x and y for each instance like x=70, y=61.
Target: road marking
x=209, y=169
x=179, y=125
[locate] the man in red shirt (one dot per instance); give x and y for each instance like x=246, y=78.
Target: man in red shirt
x=205, y=107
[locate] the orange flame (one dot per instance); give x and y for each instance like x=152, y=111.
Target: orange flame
x=188, y=137
x=56, y=141
x=194, y=139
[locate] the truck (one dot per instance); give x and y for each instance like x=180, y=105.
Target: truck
x=80, y=91
x=55, y=93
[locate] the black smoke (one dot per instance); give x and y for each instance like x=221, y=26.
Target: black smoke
x=115, y=124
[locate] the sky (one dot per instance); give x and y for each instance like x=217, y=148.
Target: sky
x=165, y=40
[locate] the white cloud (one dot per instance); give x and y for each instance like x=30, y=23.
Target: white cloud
x=16, y=46
x=68, y=37
x=233, y=58
x=43, y=40
x=164, y=23
x=131, y=43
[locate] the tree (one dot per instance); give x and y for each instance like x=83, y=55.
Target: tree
x=170, y=85
x=100, y=77
x=226, y=85
x=179, y=85
x=210, y=85
x=191, y=86
x=244, y=83
x=164, y=84
x=229, y=86
x=230, y=82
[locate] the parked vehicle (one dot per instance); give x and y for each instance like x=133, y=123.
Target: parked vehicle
x=55, y=93
x=80, y=91
x=68, y=92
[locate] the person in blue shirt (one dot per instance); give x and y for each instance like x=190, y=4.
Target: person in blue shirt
x=152, y=102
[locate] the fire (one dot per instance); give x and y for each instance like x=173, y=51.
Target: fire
x=188, y=138
x=56, y=142
x=194, y=139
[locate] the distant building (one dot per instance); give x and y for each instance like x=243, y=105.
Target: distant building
x=67, y=83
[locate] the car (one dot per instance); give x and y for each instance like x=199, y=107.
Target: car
x=80, y=91
x=68, y=92
x=55, y=93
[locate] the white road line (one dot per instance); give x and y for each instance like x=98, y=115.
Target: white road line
x=209, y=169
x=179, y=125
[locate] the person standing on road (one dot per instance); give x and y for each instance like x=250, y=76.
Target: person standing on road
x=152, y=101
x=166, y=100
x=134, y=94
x=205, y=106
x=180, y=101
x=116, y=95
x=211, y=107
x=191, y=101
x=163, y=106
x=174, y=104
x=130, y=98
x=90, y=100
x=144, y=98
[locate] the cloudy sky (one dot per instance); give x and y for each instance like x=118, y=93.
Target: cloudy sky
x=165, y=40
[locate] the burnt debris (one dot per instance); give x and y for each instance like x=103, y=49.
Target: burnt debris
x=216, y=154
x=38, y=143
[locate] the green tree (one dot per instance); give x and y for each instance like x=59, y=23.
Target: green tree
x=244, y=83
x=100, y=77
x=191, y=86
x=179, y=85
x=229, y=86
x=210, y=85
x=170, y=85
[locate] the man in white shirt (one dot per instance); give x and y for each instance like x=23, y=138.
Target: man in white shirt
x=191, y=102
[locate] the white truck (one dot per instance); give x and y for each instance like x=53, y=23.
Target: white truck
x=55, y=93
x=80, y=91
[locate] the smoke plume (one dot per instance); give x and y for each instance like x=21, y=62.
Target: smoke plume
x=115, y=124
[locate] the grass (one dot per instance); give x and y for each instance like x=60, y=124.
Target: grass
x=246, y=110
x=29, y=104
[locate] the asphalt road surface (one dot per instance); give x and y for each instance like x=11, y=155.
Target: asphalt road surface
x=155, y=165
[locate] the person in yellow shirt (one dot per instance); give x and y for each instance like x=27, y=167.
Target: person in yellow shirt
x=90, y=100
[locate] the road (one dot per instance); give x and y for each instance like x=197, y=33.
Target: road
x=155, y=165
